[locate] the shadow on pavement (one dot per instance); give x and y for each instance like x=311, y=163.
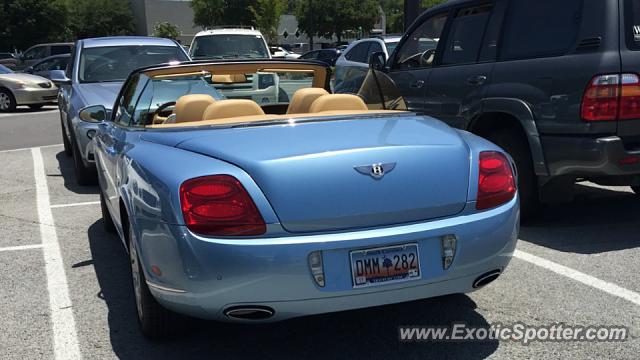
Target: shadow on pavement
x=367, y=334
x=598, y=220
x=68, y=173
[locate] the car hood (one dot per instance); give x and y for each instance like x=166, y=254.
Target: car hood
x=316, y=175
x=27, y=78
x=99, y=93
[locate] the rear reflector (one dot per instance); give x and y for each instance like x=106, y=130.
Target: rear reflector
x=496, y=183
x=612, y=97
x=219, y=205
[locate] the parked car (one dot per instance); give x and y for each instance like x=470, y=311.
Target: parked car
x=24, y=89
x=95, y=74
x=44, y=67
x=38, y=52
x=9, y=60
x=353, y=63
x=278, y=52
x=223, y=223
x=229, y=43
x=327, y=56
x=552, y=82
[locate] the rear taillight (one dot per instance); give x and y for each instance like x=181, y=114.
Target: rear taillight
x=611, y=97
x=496, y=183
x=219, y=205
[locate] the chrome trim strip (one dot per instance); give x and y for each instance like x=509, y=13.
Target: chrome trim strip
x=164, y=288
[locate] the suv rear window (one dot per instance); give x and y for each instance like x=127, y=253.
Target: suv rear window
x=540, y=28
x=221, y=46
x=632, y=24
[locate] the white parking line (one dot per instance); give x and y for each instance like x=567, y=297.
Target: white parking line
x=75, y=204
x=578, y=276
x=28, y=148
x=65, y=338
x=22, y=247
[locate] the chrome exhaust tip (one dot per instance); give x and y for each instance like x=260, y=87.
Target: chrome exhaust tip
x=486, y=278
x=249, y=312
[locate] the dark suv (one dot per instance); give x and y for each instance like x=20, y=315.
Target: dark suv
x=555, y=83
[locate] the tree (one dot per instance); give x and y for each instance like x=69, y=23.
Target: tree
x=93, y=18
x=267, y=17
x=166, y=30
x=209, y=13
x=29, y=22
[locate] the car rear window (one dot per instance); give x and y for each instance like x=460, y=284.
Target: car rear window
x=359, y=52
x=229, y=47
x=632, y=24
x=540, y=28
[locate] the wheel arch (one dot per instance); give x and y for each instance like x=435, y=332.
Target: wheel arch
x=501, y=113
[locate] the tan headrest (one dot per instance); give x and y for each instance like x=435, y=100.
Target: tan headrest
x=303, y=98
x=232, y=108
x=333, y=102
x=228, y=79
x=191, y=107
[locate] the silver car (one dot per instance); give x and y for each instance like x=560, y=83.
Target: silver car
x=353, y=63
x=97, y=69
x=24, y=89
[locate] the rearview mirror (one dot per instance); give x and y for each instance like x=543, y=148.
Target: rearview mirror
x=377, y=61
x=59, y=77
x=94, y=114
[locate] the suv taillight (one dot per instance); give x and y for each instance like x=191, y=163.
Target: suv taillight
x=496, y=183
x=219, y=205
x=611, y=97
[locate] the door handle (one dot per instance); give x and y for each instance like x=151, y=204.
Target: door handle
x=418, y=84
x=477, y=80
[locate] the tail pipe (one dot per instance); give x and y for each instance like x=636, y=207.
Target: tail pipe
x=249, y=312
x=486, y=278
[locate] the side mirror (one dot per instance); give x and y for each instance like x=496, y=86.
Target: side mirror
x=377, y=61
x=94, y=114
x=60, y=77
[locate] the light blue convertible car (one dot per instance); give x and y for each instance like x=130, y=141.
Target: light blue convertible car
x=236, y=211
x=97, y=69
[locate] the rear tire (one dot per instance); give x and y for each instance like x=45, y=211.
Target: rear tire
x=515, y=143
x=636, y=189
x=155, y=321
x=7, y=101
x=84, y=175
x=107, y=220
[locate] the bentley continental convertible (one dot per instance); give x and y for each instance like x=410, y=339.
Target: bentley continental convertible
x=238, y=211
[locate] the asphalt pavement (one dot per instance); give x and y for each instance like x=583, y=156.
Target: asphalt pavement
x=576, y=265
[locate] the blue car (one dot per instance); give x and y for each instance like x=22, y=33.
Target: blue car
x=236, y=211
x=95, y=74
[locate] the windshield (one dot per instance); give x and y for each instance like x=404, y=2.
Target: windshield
x=229, y=47
x=5, y=70
x=391, y=46
x=115, y=63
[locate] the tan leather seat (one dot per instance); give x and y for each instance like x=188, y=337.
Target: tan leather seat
x=336, y=102
x=303, y=98
x=232, y=108
x=191, y=107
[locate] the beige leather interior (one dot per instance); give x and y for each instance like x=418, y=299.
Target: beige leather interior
x=232, y=108
x=303, y=98
x=337, y=102
x=191, y=107
x=229, y=79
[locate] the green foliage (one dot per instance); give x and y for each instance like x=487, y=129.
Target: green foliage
x=267, y=16
x=209, y=13
x=29, y=22
x=93, y=18
x=334, y=17
x=166, y=30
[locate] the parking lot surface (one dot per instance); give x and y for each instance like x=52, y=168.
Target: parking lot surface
x=66, y=293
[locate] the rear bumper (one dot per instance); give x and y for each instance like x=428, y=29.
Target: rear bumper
x=588, y=157
x=32, y=96
x=202, y=277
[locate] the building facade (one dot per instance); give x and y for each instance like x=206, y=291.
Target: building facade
x=148, y=13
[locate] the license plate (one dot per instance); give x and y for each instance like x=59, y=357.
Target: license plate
x=385, y=265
